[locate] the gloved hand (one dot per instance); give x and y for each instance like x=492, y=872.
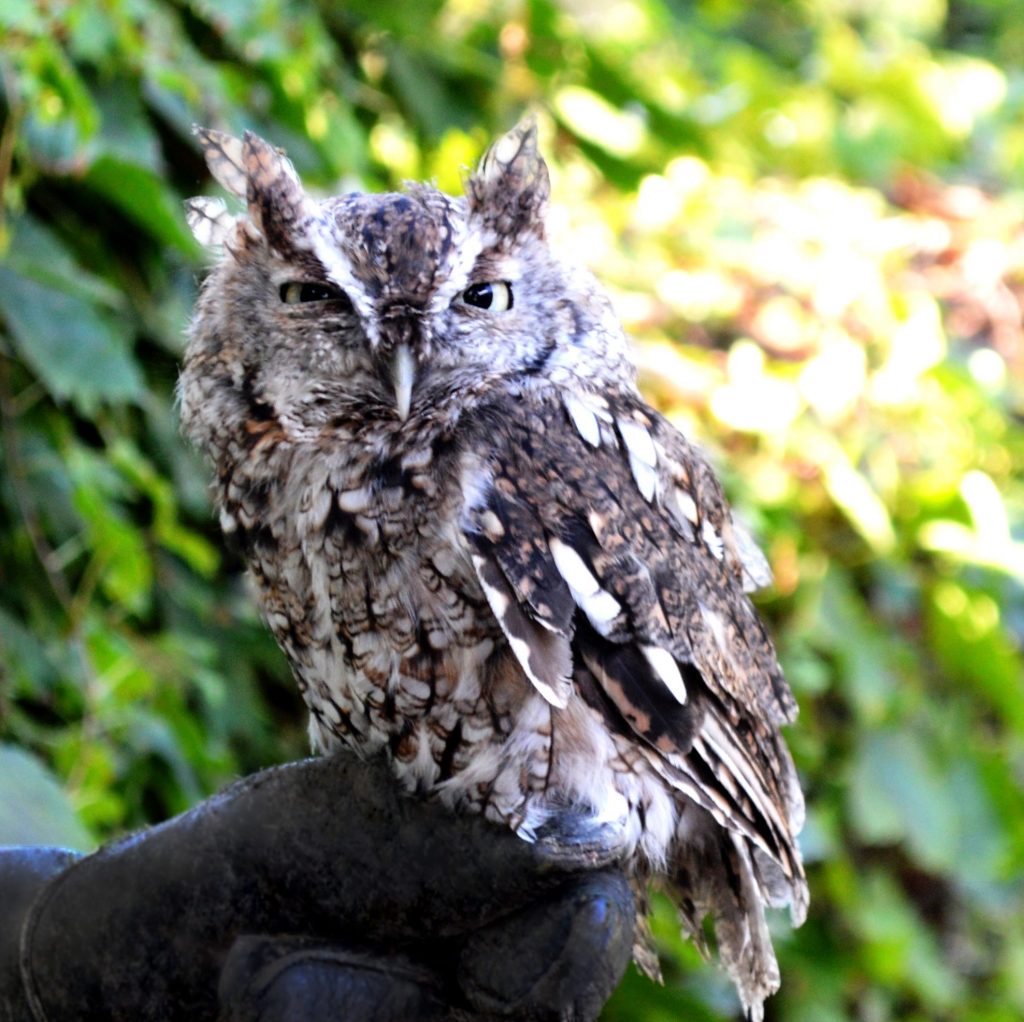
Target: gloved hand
x=315, y=891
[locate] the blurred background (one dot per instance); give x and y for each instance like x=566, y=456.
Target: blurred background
x=809, y=215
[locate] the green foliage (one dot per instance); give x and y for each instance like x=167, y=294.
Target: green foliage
x=35, y=809
x=809, y=216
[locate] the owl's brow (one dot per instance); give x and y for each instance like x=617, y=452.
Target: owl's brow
x=337, y=268
x=309, y=267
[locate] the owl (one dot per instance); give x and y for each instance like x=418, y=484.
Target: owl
x=485, y=557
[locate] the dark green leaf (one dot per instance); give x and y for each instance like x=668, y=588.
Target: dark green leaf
x=78, y=352
x=145, y=198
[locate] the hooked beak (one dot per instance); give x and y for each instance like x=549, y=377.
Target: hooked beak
x=403, y=375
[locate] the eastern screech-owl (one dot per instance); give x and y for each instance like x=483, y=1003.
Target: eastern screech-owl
x=484, y=555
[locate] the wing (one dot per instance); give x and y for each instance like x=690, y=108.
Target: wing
x=609, y=556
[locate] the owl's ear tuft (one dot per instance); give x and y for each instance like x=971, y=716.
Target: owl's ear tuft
x=223, y=155
x=209, y=220
x=274, y=194
x=510, y=187
x=263, y=177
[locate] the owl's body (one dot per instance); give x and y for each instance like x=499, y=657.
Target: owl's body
x=484, y=556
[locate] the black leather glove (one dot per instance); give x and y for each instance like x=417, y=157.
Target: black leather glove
x=311, y=892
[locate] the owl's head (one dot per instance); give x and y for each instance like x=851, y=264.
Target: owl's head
x=384, y=309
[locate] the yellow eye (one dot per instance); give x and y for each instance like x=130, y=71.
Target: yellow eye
x=295, y=291
x=494, y=296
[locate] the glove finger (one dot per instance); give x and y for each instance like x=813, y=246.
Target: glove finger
x=24, y=871
x=280, y=979
x=558, y=959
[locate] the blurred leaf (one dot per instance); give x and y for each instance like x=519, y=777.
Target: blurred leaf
x=966, y=636
x=125, y=132
x=76, y=351
x=37, y=252
x=22, y=16
x=33, y=808
x=26, y=665
x=866, y=659
x=143, y=196
x=897, y=794
x=899, y=948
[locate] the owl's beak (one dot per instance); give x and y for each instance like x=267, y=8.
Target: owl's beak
x=403, y=375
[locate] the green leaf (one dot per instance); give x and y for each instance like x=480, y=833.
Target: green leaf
x=897, y=794
x=899, y=950
x=142, y=195
x=22, y=16
x=76, y=351
x=33, y=808
x=25, y=659
x=37, y=252
x=125, y=131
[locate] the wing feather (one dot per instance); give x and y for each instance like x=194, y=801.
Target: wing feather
x=642, y=574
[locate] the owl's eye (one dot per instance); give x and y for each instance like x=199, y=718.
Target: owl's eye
x=494, y=296
x=295, y=291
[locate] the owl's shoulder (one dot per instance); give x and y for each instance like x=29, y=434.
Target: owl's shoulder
x=593, y=501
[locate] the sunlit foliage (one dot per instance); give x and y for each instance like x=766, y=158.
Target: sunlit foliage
x=810, y=217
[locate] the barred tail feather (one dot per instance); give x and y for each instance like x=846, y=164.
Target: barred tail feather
x=721, y=875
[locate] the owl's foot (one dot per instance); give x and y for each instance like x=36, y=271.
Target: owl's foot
x=573, y=838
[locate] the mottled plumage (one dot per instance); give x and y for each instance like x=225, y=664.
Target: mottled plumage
x=483, y=554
